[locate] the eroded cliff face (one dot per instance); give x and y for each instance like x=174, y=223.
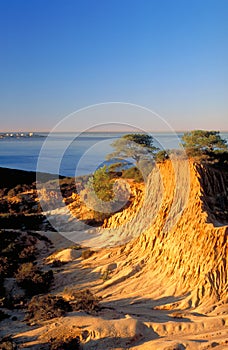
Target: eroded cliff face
x=171, y=240
x=164, y=283
x=127, y=214
x=214, y=188
x=183, y=250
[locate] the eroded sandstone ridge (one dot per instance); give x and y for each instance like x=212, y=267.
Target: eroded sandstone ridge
x=185, y=248
x=157, y=269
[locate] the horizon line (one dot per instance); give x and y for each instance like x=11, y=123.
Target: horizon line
x=109, y=131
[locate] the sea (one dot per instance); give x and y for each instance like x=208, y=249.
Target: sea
x=70, y=154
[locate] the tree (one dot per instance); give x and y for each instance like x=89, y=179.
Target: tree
x=135, y=146
x=203, y=143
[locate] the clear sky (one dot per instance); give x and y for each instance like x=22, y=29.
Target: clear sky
x=61, y=55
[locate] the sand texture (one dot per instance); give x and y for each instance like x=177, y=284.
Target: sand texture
x=164, y=284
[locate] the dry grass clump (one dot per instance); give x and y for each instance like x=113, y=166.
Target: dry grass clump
x=28, y=253
x=58, y=263
x=46, y=307
x=83, y=300
x=6, y=343
x=32, y=279
x=66, y=344
x=15, y=248
x=75, y=247
x=86, y=254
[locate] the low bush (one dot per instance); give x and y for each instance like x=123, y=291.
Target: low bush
x=3, y=316
x=4, y=206
x=162, y=156
x=16, y=190
x=2, y=289
x=25, y=222
x=86, y=254
x=6, y=267
x=6, y=238
x=105, y=275
x=6, y=343
x=33, y=280
x=46, y=307
x=68, y=344
x=28, y=253
x=84, y=300
x=15, y=248
x=75, y=247
x=58, y=263
x=133, y=173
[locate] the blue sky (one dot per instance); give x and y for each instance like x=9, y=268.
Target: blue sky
x=58, y=56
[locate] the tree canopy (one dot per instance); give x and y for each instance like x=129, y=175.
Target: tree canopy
x=135, y=146
x=203, y=142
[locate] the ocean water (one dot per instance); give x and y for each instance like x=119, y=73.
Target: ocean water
x=69, y=154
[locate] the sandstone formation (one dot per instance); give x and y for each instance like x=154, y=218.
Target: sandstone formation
x=161, y=274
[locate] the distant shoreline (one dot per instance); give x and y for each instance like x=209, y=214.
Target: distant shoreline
x=40, y=133
x=19, y=135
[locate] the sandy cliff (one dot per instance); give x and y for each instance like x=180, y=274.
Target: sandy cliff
x=172, y=277
x=186, y=250
x=166, y=286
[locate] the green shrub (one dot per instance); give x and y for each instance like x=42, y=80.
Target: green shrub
x=117, y=167
x=162, y=156
x=101, y=184
x=204, y=144
x=133, y=173
x=99, y=194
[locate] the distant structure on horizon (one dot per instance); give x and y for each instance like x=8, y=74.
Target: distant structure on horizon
x=18, y=135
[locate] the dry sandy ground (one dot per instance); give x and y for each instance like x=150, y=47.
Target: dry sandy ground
x=127, y=320
x=165, y=289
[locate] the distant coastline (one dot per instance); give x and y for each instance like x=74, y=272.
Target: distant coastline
x=19, y=135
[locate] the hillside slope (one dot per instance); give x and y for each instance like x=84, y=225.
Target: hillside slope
x=167, y=287
x=163, y=285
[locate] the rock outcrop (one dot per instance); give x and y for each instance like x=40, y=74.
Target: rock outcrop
x=182, y=251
